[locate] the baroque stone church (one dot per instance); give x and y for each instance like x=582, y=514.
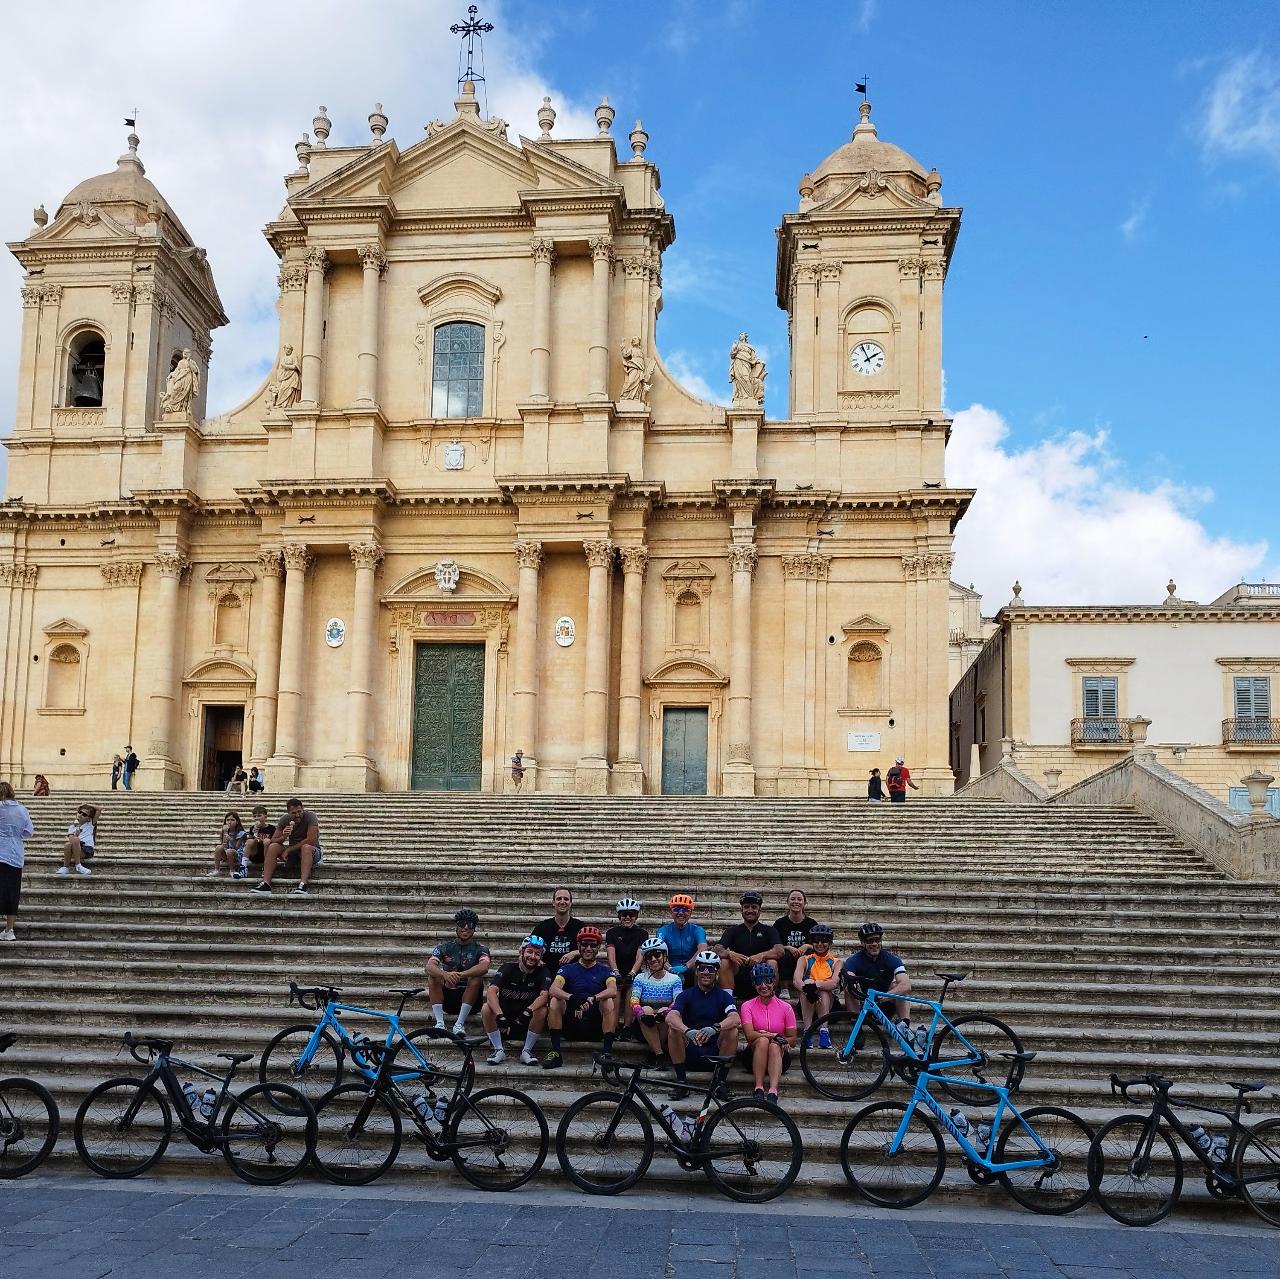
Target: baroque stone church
x=470, y=511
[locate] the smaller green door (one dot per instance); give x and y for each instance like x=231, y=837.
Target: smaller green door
x=684, y=750
x=448, y=716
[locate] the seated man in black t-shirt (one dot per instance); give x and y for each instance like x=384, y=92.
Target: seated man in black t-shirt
x=746, y=944
x=517, y=996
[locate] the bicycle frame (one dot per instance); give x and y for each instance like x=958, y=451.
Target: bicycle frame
x=330, y=1019
x=870, y=1005
x=198, y=1130
x=682, y=1147
x=980, y=1159
x=1164, y=1108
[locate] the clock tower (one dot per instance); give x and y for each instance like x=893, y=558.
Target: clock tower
x=861, y=266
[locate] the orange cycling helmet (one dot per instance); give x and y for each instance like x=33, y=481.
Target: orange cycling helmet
x=681, y=899
x=590, y=933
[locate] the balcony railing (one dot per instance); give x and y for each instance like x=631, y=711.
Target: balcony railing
x=1254, y=730
x=1101, y=730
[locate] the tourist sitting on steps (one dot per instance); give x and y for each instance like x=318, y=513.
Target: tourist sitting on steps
x=296, y=843
x=883, y=971
x=229, y=852
x=239, y=783
x=744, y=945
x=455, y=972
x=653, y=991
x=769, y=1024
x=82, y=837
x=703, y=1021
x=560, y=931
x=622, y=945
x=516, y=1000
x=683, y=937
x=584, y=999
x=818, y=979
x=259, y=837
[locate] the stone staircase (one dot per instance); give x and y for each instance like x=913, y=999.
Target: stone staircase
x=1104, y=942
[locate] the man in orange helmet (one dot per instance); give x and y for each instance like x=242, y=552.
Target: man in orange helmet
x=683, y=937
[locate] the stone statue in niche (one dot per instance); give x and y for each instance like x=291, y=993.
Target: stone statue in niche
x=182, y=387
x=637, y=373
x=746, y=372
x=286, y=387
x=447, y=575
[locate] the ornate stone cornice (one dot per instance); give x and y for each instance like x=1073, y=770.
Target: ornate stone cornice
x=317, y=260
x=599, y=554
x=635, y=559
x=366, y=554
x=292, y=278
x=371, y=256
x=271, y=562
x=809, y=566
x=1172, y=615
x=543, y=250
x=528, y=554
x=297, y=558
x=172, y=563
x=122, y=572
x=743, y=559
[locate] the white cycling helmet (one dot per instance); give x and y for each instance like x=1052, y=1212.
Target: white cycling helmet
x=628, y=904
x=706, y=959
x=651, y=945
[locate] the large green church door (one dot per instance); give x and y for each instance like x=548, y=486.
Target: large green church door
x=684, y=750
x=448, y=716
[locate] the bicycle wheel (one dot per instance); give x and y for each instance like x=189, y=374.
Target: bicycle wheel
x=350, y=1156
x=604, y=1143
x=268, y=1134
x=445, y=1066
x=897, y=1180
x=1257, y=1168
x=1135, y=1172
x=29, y=1124
x=846, y=1072
x=989, y=1037
x=1056, y=1188
x=287, y=1061
x=503, y=1138
x=122, y=1127
x=751, y=1150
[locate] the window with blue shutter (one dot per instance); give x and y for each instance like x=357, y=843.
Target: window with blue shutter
x=1101, y=708
x=1251, y=701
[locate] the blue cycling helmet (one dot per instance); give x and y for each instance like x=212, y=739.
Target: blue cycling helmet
x=535, y=941
x=762, y=972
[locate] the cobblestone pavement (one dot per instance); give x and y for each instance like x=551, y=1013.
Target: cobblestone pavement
x=75, y=1227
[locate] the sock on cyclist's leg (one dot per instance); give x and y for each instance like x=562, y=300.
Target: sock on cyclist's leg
x=680, y=1072
x=463, y=1013
x=437, y=1011
x=495, y=1038
x=530, y=1041
x=555, y=1040
x=607, y=1042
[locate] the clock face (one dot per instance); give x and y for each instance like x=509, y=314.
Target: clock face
x=867, y=358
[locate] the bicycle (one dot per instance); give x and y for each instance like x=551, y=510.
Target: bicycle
x=1136, y=1167
x=859, y=1059
x=893, y=1154
x=497, y=1137
x=266, y=1133
x=29, y=1122
x=749, y=1149
x=313, y=1058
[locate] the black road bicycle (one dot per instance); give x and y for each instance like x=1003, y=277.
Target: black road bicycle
x=266, y=1133
x=29, y=1122
x=496, y=1137
x=749, y=1149
x=1135, y=1166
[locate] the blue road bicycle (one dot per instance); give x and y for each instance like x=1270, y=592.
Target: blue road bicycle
x=893, y=1153
x=968, y=1053
x=316, y=1057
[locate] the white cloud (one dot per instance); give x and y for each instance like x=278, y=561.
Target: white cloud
x=687, y=369
x=221, y=101
x=1131, y=227
x=866, y=15
x=1241, y=114
x=1062, y=517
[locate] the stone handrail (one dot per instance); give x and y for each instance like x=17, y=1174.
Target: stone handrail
x=1005, y=781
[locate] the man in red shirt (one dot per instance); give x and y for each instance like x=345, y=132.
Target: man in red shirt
x=898, y=778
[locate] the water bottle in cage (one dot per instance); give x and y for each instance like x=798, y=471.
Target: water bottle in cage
x=920, y=1040
x=422, y=1104
x=984, y=1137
x=961, y=1122
x=1204, y=1142
x=679, y=1125
x=208, y=1102
x=441, y=1110
x=193, y=1098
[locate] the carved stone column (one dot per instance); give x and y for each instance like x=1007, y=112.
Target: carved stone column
x=628, y=773
x=544, y=252
x=803, y=328
x=800, y=575
x=162, y=753
x=267, y=658
x=374, y=262
x=293, y=651
x=739, y=771
x=32, y=295
x=601, y=278
x=313, y=315
x=592, y=774
x=908, y=346
x=524, y=708
x=114, y=381
x=934, y=271
x=358, y=772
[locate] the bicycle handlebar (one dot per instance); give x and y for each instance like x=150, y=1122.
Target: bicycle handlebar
x=137, y=1044
x=312, y=998
x=7, y=1040
x=1157, y=1083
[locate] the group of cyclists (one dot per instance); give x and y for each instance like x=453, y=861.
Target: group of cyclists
x=686, y=998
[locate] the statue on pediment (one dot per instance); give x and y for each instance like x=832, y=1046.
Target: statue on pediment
x=637, y=373
x=746, y=372
x=286, y=387
x=182, y=387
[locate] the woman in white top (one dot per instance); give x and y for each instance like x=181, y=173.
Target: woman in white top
x=15, y=826
x=81, y=836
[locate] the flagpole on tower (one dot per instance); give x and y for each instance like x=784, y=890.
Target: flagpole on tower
x=469, y=30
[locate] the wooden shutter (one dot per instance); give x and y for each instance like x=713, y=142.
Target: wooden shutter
x=1101, y=697
x=1252, y=697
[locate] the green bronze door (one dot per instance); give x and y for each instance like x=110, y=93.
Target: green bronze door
x=448, y=715
x=684, y=750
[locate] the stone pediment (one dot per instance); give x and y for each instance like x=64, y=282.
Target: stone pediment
x=687, y=672
x=83, y=221
x=473, y=584
x=219, y=670
x=870, y=191
x=65, y=628
x=865, y=624
x=230, y=573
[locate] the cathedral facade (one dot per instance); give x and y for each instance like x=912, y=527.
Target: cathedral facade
x=470, y=512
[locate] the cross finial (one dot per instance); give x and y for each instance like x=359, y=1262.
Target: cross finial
x=469, y=30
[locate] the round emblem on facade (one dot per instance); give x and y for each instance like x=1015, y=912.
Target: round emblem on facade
x=455, y=456
x=335, y=631
x=565, y=631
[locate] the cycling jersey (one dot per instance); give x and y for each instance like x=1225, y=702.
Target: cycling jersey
x=560, y=941
x=655, y=992
x=682, y=943
x=581, y=981
x=879, y=971
x=454, y=957
x=793, y=934
x=699, y=1009
x=626, y=945
x=817, y=968
x=774, y=1018
x=750, y=939
x=518, y=987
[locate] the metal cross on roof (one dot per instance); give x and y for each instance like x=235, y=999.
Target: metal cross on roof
x=469, y=30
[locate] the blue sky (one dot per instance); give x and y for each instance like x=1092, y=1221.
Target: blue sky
x=1110, y=332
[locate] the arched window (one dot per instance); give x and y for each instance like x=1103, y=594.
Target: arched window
x=86, y=369
x=688, y=618
x=64, y=678
x=457, y=370
x=865, y=666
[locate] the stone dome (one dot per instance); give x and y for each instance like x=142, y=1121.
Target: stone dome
x=126, y=190
x=865, y=153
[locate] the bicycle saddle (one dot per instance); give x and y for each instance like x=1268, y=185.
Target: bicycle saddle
x=409, y=991
x=1022, y=1056
x=952, y=976
x=1230, y=1082
x=236, y=1058
x=723, y=1061
x=7, y=1040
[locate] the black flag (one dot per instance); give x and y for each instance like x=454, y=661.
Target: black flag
x=860, y=87
x=131, y=122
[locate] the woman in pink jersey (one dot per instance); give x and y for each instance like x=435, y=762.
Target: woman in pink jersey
x=770, y=1027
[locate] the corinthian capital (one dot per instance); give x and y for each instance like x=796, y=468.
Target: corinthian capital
x=292, y=278
x=529, y=554
x=599, y=554
x=121, y=291
x=636, y=268
x=743, y=559
x=372, y=257
x=297, y=559
x=635, y=559
x=31, y=294
x=935, y=269
x=366, y=554
x=172, y=563
x=543, y=250
x=909, y=268
x=317, y=260
x=122, y=572
x=271, y=562
x=601, y=248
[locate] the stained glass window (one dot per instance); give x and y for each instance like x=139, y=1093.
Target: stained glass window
x=457, y=371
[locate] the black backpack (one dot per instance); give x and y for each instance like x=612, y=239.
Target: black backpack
x=895, y=776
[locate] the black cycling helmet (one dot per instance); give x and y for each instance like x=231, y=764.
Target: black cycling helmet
x=869, y=930
x=466, y=918
x=822, y=932
x=751, y=897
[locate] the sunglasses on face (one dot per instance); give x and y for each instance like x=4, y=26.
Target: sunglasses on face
x=626, y=914
x=679, y=910
x=589, y=945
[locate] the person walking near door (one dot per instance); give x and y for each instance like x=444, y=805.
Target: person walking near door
x=131, y=763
